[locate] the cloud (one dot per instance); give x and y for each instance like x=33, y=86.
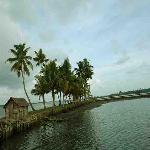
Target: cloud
x=143, y=69
x=120, y=53
x=6, y=92
x=65, y=11
x=23, y=11
x=10, y=33
x=58, y=54
x=114, y=35
x=123, y=60
x=47, y=36
x=130, y=7
x=9, y=79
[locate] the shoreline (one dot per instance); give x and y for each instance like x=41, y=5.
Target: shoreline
x=9, y=128
x=59, y=113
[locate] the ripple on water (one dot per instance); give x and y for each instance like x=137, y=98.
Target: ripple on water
x=123, y=125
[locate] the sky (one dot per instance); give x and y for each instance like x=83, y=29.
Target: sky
x=114, y=35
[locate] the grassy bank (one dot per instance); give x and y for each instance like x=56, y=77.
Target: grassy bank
x=49, y=112
x=57, y=113
x=8, y=128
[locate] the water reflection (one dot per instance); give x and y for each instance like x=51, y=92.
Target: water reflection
x=119, y=125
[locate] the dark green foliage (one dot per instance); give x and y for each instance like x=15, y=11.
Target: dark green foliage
x=40, y=58
x=53, y=78
x=40, y=88
x=21, y=63
x=84, y=72
x=50, y=73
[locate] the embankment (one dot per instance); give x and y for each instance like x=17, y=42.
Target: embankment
x=9, y=128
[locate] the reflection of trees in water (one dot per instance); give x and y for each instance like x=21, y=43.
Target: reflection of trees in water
x=24, y=140
x=109, y=127
x=75, y=133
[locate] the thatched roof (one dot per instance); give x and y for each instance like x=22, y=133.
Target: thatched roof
x=19, y=101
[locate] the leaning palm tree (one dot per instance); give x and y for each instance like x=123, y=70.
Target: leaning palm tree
x=21, y=61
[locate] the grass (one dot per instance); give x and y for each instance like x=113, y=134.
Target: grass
x=53, y=111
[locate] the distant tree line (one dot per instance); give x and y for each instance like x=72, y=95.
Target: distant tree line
x=138, y=91
x=60, y=80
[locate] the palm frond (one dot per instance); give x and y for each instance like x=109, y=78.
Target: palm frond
x=29, y=57
x=30, y=64
x=26, y=49
x=11, y=60
x=14, y=52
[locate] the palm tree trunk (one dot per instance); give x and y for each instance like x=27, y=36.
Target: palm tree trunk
x=80, y=98
x=73, y=98
x=60, y=97
x=84, y=91
x=44, y=101
x=23, y=81
x=53, y=96
x=63, y=99
x=89, y=91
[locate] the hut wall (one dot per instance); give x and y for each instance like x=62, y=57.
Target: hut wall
x=9, y=111
x=20, y=112
x=13, y=111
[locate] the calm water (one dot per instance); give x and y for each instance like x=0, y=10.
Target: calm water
x=114, y=126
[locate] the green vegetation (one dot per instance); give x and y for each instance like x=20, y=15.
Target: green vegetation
x=43, y=114
x=58, y=80
x=20, y=63
x=138, y=91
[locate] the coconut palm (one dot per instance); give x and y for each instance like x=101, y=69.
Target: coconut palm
x=50, y=73
x=76, y=87
x=21, y=63
x=60, y=84
x=40, y=88
x=84, y=71
x=40, y=58
x=65, y=71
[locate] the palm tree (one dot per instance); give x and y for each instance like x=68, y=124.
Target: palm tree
x=60, y=84
x=77, y=88
x=40, y=88
x=40, y=58
x=50, y=73
x=65, y=71
x=21, y=61
x=84, y=71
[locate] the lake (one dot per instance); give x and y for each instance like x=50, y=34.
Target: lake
x=123, y=125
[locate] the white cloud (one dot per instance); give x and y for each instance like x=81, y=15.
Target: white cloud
x=114, y=35
x=20, y=11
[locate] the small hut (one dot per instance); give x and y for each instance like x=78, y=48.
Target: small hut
x=16, y=108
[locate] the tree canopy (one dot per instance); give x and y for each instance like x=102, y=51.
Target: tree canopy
x=61, y=80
